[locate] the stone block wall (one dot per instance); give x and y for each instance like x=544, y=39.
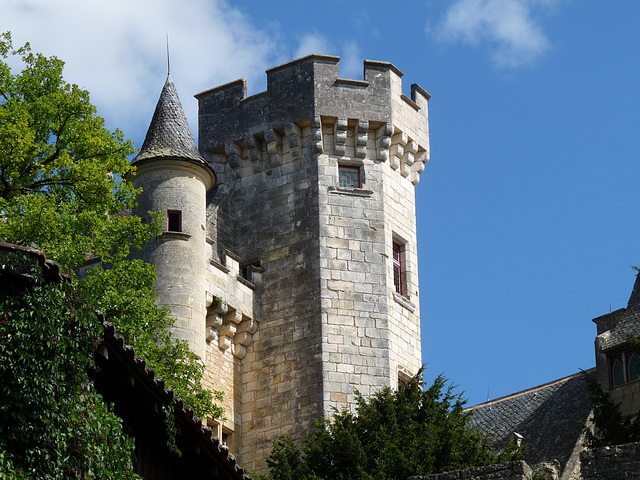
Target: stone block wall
x=275, y=219
x=179, y=257
x=611, y=463
x=504, y=471
x=328, y=321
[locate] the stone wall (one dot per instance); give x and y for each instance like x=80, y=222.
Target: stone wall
x=328, y=321
x=504, y=471
x=611, y=463
x=178, y=256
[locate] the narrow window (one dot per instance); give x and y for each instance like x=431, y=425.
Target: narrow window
x=403, y=379
x=174, y=221
x=633, y=367
x=397, y=268
x=349, y=176
x=226, y=438
x=617, y=371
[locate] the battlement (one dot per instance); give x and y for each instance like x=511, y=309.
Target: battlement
x=308, y=88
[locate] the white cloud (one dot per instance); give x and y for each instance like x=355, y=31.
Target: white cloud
x=508, y=25
x=312, y=43
x=116, y=49
x=351, y=62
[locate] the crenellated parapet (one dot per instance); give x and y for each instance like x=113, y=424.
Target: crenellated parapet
x=307, y=101
x=230, y=318
x=340, y=137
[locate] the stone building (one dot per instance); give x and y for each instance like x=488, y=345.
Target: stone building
x=549, y=418
x=289, y=255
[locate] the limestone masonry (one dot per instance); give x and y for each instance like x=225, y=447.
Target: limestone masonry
x=297, y=210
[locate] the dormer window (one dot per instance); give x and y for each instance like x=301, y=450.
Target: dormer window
x=174, y=221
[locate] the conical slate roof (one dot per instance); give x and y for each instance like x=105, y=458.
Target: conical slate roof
x=635, y=294
x=169, y=134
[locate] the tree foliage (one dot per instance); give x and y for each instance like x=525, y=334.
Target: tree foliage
x=64, y=189
x=62, y=173
x=53, y=424
x=392, y=435
x=125, y=294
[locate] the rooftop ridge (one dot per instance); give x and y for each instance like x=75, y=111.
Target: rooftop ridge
x=529, y=390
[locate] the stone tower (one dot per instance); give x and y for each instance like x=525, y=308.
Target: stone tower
x=174, y=179
x=314, y=214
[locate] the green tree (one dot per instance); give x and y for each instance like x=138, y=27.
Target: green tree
x=62, y=173
x=53, y=424
x=392, y=435
x=64, y=189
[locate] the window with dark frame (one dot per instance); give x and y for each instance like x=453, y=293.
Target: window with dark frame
x=349, y=176
x=624, y=367
x=226, y=438
x=397, y=268
x=174, y=221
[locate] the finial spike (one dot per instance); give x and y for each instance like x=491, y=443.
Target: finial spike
x=168, y=64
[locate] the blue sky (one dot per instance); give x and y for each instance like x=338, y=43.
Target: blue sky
x=528, y=209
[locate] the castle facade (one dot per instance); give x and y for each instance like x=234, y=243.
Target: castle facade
x=289, y=258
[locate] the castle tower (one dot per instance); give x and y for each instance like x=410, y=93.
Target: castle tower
x=174, y=179
x=316, y=190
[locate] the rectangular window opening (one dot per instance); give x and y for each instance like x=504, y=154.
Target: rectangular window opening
x=349, y=176
x=226, y=438
x=174, y=221
x=246, y=270
x=398, y=271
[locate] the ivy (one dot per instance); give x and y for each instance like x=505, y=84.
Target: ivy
x=53, y=424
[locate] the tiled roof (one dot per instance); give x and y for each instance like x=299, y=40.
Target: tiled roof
x=50, y=269
x=634, y=299
x=117, y=360
x=125, y=380
x=169, y=135
x=548, y=417
x=627, y=323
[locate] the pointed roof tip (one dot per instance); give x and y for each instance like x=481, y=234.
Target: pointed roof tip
x=634, y=299
x=169, y=135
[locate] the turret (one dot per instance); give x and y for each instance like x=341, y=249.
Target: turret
x=174, y=178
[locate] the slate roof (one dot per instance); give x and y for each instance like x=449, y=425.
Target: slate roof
x=169, y=135
x=548, y=417
x=614, y=328
x=634, y=299
x=627, y=324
